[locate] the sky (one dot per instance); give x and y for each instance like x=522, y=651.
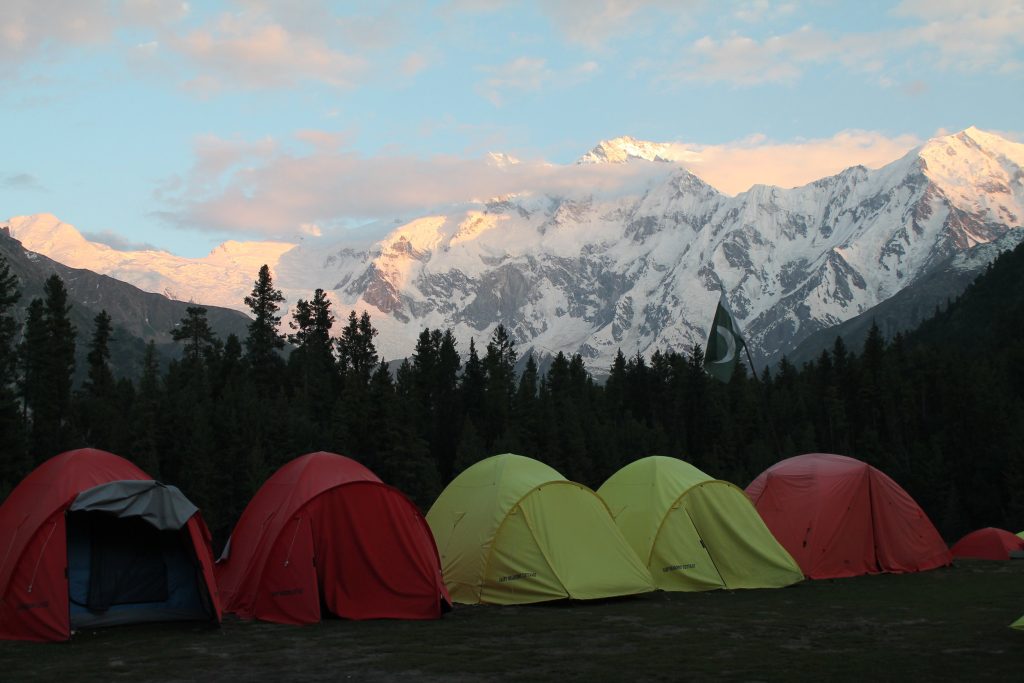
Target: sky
x=179, y=125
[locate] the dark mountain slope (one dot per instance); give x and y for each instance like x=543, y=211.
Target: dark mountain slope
x=137, y=316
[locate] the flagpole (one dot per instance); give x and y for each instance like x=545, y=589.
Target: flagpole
x=733, y=330
x=750, y=360
x=764, y=398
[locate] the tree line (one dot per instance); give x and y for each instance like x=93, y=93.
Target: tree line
x=221, y=418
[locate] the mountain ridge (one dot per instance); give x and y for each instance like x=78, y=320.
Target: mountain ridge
x=137, y=316
x=590, y=273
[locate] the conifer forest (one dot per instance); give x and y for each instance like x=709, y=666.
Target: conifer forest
x=939, y=409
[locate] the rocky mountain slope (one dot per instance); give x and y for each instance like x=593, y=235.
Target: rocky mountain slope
x=137, y=316
x=593, y=272
x=912, y=305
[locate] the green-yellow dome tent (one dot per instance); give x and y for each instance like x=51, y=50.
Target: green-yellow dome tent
x=693, y=532
x=511, y=530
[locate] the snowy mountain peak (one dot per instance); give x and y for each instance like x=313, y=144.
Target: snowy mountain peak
x=501, y=160
x=624, y=149
x=47, y=234
x=979, y=172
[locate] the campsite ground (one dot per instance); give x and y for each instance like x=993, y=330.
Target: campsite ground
x=945, y=624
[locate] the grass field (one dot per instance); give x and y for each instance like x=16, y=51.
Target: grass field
x=949, y=624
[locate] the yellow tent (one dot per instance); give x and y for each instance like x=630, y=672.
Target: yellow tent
x=512, y=530
x=1018, y=624
x=694, y=532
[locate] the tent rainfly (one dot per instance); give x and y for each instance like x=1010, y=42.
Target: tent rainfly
x=988, y=544
x=90, y=540
x=512, y=530
x=324, y=531
x=694, y=532
x=838, y=516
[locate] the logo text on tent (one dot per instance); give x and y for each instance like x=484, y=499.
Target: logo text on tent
x=33, y=605
x=285, y=593
x=677, y=567
x=516, y=577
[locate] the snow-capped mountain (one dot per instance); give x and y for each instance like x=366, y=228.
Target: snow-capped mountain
x=221, y=278
x=624, y=149
x=592, y=272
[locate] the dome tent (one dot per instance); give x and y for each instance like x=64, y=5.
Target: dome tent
x=512, y=530
x=988, y=544
x=91, y=541
x=324, y=531
x=838, y=516
x=694, y=532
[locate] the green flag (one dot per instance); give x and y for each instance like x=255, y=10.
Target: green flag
x=724, y=344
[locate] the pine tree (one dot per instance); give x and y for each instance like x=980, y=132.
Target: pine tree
x=48, y=352
x=499, y=369
x=524, y=412
x=357, y=354
x=194, y=329
x=31, y=355
x=615, y=387
x=472, y=386
x=144, y=416
x=100, y=382
x=97, y=404
x=264, y=340
x=357, y=361
x=14, y=463
x=312, y=362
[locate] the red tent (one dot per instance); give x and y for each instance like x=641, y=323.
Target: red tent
x=988, y=544
x=324, y=530
x=83, y=517
x=838, y=516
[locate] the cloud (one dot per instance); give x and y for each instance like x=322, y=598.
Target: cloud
x=238, y=51
x=757, y=11
x=742, y=60
x=414, y=63
x=968, y=36
x=252, y=44
x=736, y=166
x=20, y=181
x=269, y=191
x=965, y=36
x=29, y=27
x=529, y=74
x=153, y=13
x=118, y=241
x=596, y=23
x=592, y=23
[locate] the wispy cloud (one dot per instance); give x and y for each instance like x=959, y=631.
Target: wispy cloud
x=28, y=27
x=263, y=189
x=962, y=36
x=967, y=35
x=735, y=166
x=20, y=181
x=756, y=11
x=241, y=53
x=530, y=74
x=593, y=23
x=118, y=241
